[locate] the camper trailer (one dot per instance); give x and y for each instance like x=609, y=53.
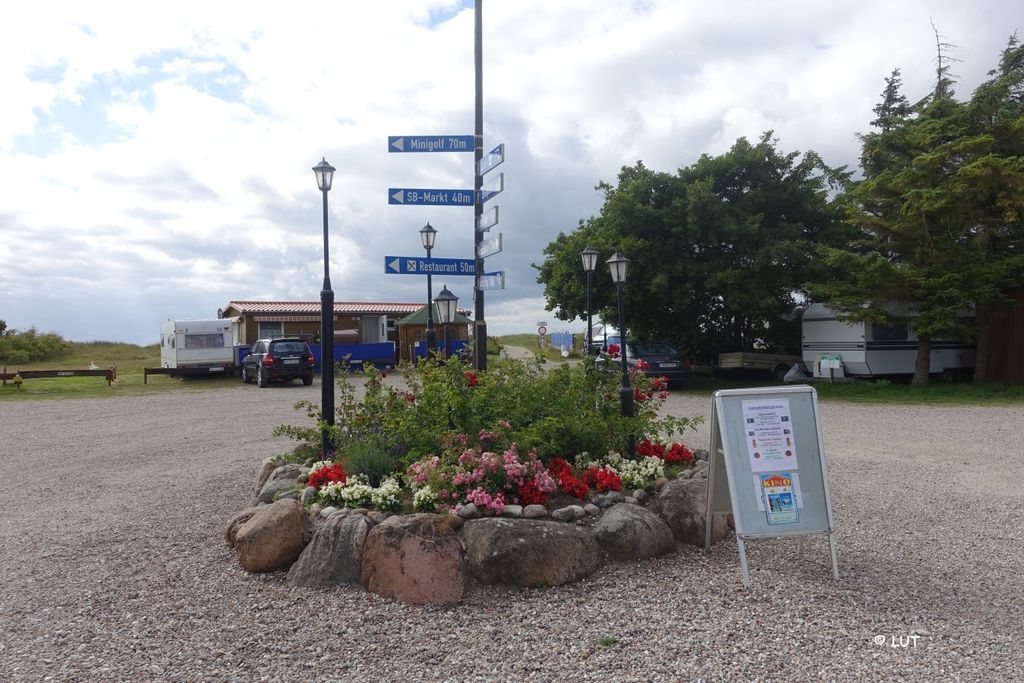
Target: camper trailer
x=198, y=347
x=867, y=349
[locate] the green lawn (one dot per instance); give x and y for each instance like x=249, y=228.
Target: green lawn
x=883, y=392
x=129, y=359
x=529, y=341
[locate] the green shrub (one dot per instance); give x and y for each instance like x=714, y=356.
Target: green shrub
x=30, y=346
x=561, y=411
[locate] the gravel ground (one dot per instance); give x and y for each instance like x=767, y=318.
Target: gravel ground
x=113, y=567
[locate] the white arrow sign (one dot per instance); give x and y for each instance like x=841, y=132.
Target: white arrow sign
x=393, y=265
x=494, y=280
x=487, y=220
x=399, y=196
x=489, y=247
x=399, y=144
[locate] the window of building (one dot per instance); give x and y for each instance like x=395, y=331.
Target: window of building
x=271, y=330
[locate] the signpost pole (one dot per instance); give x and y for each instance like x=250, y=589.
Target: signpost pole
x=480, y=325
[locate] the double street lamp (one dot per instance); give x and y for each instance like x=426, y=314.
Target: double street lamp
x=618, y=264
x=324, y=176
x=447, y=307
x=589, y=256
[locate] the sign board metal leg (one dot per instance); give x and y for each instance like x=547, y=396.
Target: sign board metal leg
x=835, y=557
x=743, y=569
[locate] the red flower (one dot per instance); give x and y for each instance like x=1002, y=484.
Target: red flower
x=559, y=468
x=613, y=350
x=529, y=494
x=562, y=471
x=639, y=396
x=648, y=447
x=602, y=479
x=641, y=364
x=470, y=376
x=327, y=475
x=678, y=453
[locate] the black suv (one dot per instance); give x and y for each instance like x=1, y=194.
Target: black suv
x=285, y=358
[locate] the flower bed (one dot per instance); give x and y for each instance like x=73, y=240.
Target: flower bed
x=516, y=443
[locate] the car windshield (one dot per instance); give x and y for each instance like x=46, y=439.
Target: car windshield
x=653, y=350
x=288, y=347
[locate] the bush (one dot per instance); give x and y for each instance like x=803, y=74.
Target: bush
x=560, y=412
x=30, y=346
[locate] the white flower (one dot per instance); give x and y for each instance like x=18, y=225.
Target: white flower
x=638, y=474
x=388, y=495
x=425, y=499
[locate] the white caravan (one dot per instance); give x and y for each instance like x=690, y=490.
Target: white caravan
x=198, y=346
x=869, y=349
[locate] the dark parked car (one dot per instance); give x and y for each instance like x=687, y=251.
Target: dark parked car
x=655, y=359
x=286, y=358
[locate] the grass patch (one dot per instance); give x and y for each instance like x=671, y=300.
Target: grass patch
x=882, y=391
x=130, y=359
x=529, y=342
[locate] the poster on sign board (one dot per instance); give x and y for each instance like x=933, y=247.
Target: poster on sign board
x=771, y=444
x=779, y=497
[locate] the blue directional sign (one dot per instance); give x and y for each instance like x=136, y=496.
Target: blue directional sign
x=430, y=143
x=487, y=220
x=495, y=280
x=493, y=187
x=421, y=197
x=418, y=265
x=492, y=159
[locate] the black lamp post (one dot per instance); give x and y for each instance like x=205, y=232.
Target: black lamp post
x=428, y=236
x=589, y=256
x=324, y=176
x=618, y=265
x=447, y=305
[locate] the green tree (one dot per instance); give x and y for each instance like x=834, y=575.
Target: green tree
x=719, y=249
x=938, y=212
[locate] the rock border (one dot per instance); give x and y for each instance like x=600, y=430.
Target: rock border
x=424, y=558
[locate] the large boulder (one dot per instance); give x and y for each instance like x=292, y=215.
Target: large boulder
x=235, y=523
x=273, y=538
x=280, y=480
x=681, y=504
x=527, y=552
x=630, y=532
x=415, y=559
x=335, y=554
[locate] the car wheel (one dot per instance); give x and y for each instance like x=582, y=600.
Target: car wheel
x=779, y=373
x=307, y=380
x=261, y=378
x=245, y=377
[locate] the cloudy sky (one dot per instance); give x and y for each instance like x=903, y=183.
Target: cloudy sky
x=155, y=158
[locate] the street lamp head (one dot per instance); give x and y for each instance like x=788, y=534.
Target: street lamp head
x=324, y=175
x=447, y=305
x=589, y=256
x=428, y=236
x=618, y=265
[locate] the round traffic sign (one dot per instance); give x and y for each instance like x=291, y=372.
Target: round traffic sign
x=542, y=330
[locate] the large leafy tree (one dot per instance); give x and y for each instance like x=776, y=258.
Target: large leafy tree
x=939, y=211
x=719, y=249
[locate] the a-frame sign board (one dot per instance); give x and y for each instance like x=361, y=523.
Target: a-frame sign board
x=768, y=466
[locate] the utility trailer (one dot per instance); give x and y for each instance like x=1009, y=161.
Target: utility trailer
x=774, y=365
x=196, y=347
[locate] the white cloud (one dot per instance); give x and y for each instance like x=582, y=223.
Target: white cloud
x=155, y=161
